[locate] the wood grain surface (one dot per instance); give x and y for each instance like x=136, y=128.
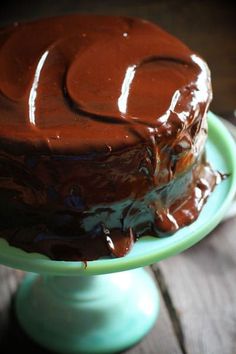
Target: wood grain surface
x=201, y=284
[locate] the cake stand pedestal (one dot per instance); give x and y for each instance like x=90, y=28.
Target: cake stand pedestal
x=110, y=304
x=95, y=314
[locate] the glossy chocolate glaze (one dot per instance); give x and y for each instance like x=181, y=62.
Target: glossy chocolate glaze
x=103, y=125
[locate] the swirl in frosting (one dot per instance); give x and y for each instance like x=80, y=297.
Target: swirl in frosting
x=66, y=78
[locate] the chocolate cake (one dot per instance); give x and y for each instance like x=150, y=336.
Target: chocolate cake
x=102, y=132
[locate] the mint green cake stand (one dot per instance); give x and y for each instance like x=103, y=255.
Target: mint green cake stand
x=110, y=304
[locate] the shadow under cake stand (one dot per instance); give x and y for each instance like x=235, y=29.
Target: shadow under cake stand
x=111, y=304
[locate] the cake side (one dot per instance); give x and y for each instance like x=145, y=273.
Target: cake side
x=56, y=220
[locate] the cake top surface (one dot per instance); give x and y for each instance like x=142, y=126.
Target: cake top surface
x=81, y=83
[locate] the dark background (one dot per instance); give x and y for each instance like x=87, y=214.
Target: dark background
x=207, y=27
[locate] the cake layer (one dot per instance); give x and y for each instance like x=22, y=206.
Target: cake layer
x=66, y=228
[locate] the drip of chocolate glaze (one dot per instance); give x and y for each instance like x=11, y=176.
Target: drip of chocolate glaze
x=186, y=210
x=119, y=243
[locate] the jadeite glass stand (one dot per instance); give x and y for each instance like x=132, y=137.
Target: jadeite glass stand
x=111, y=304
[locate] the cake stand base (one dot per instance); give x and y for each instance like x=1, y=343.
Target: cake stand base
x=88, y=314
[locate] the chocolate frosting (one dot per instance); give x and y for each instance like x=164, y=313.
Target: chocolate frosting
x=79, y=83
x=103, y=125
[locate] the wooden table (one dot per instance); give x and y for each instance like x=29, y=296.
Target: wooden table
x=197, y=287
